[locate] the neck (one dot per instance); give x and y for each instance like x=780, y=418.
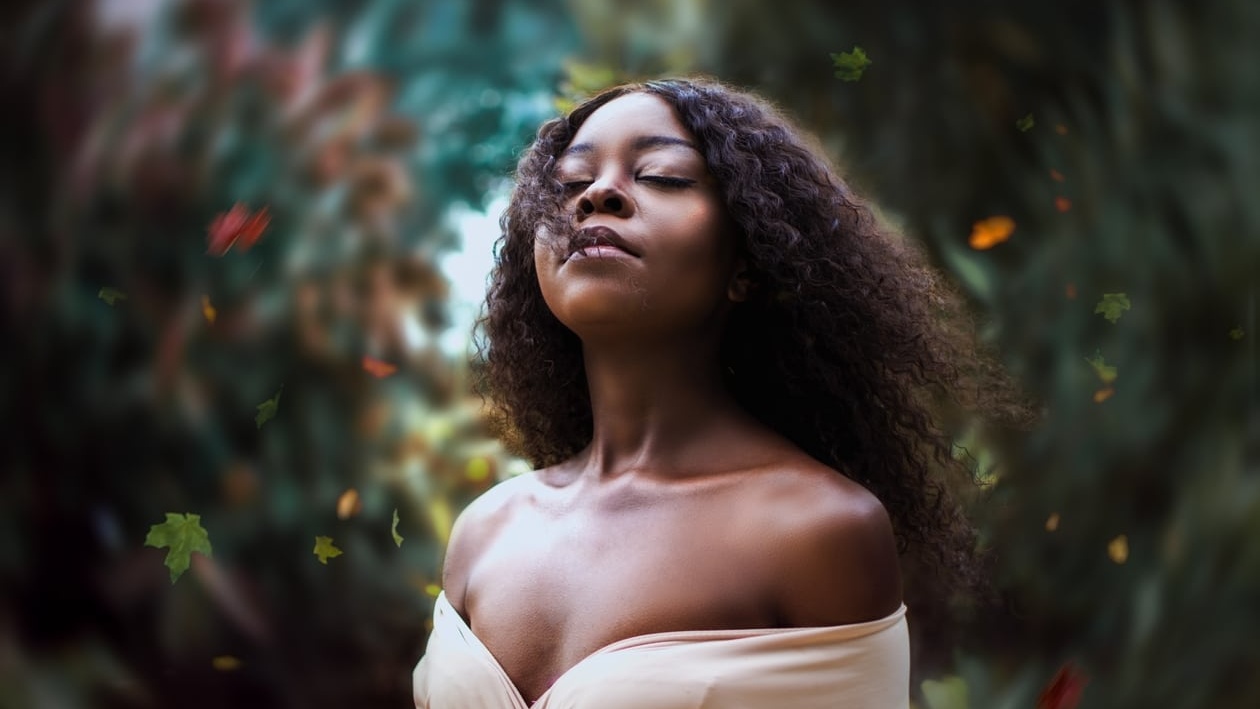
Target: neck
x=653, y=406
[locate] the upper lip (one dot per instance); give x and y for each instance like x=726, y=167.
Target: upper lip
x=596, y=235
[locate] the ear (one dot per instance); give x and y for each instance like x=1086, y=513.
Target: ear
x=741, y=284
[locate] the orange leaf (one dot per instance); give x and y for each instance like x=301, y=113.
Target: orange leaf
x=348, y=505
x=207, y=309
x=987, y=233
x=1103, y=394
x=236, y=225
x=378, y=368
x=1052, y=522
x=1056, y=175
x=1070, y=291
x=1062, y=204
x=1060, y=129
x=1064, y=691
x=1118, y=549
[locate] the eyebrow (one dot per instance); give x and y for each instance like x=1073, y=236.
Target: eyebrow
x=640, y=144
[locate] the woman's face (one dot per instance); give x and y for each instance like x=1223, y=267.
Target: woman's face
x=653, y=253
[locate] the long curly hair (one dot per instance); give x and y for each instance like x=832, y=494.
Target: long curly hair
x=851, y=345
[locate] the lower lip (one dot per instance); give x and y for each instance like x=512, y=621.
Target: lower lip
x=600, y=251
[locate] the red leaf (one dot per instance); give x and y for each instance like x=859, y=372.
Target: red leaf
x=378, y=368
x=236, y=225
x=1064, y=691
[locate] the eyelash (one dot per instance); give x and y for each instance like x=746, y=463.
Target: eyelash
x=673, y=182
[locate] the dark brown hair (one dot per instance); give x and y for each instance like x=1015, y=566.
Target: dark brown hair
x=852, y=346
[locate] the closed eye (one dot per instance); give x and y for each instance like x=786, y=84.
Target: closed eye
x=667, y=181
x=575, y=185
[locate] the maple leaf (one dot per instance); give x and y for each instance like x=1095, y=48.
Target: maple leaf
x=207, y=309
x=1064, y=690
x=1112, y=306
x=1106, y=372
x=111, y=295
x=267, y=409
x=237, y=225
x=987, y=233
x=398, y=538
x=325, y=549
x=378, y=368
x=850, y=65
x=1025, y=124
x=182, y=534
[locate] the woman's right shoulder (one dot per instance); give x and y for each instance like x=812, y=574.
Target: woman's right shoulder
x=476, y=527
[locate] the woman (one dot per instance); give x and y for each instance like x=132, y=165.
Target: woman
x=726, y=372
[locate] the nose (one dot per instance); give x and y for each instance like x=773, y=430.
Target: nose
x=604, y=198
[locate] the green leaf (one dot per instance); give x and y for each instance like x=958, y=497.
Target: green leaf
x=948, y=693
x=1025, y=124
x=111, y=295
x=1112, y=305
x=325, y=549
x=850, y=65
x=1236, y=334
x=182, y=535
x=394, y=530
x=267, y=409
x=1106, y=372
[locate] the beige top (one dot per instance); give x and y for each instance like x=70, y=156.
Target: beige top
x=857, y=666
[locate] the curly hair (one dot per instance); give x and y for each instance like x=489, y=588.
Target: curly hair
x=851, y=346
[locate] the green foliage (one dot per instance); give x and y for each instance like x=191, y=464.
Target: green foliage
x=1106, y=372
x=947, y=693
x=393, y=530
x=181, y=534
x=850, y=65
x=111, y=295
x=1025, y=123
x=325, y=549
x=1112, y=306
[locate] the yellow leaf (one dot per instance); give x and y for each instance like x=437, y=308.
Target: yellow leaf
x=440, y=517
x=1118, y=549
x=1103, y=394
x=325, y=549
x=226, y=663
x=432, y=589
x=478, y=469
x=348, y=505
x=398, y=538
x=1052, y=522
x=987, y=233
x=207, y=309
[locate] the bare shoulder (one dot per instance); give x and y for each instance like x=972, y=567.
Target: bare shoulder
x=834, y=554
x=474, y=528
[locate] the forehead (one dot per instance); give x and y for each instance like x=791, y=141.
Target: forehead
x=630, y=116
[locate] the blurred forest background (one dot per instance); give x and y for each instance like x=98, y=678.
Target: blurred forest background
x=1087, y=171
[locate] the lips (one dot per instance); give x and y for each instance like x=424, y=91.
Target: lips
x=597, y=241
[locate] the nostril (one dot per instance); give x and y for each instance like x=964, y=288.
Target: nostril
x=586, y=206
x=613, y=204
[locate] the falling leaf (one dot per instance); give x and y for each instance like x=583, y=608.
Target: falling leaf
x=1112, y=306
x=182, y=534
x=1236, y=334
x=948, y=693
x=378, y=368
x=237, y=225
x=267, y=409
x=111, y=295
x=433, y=589
x=348, y=505
x=1064, y=690
x=208, y=310
x=1106, y=372
x=226, y=663
x=325, y=549
x=1062, y=203
x=1052, y=522
x=1056, y=175
x=1103, y=394
x=478, y=469
x=398, y=538
x=441, y=518
x=1060, y=129
x=1025, y=124
x=1118, y=549
x=987, y=233
x=850, y=65
x=1070, y=291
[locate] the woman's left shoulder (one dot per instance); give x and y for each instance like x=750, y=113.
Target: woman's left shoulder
x=831, y=545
